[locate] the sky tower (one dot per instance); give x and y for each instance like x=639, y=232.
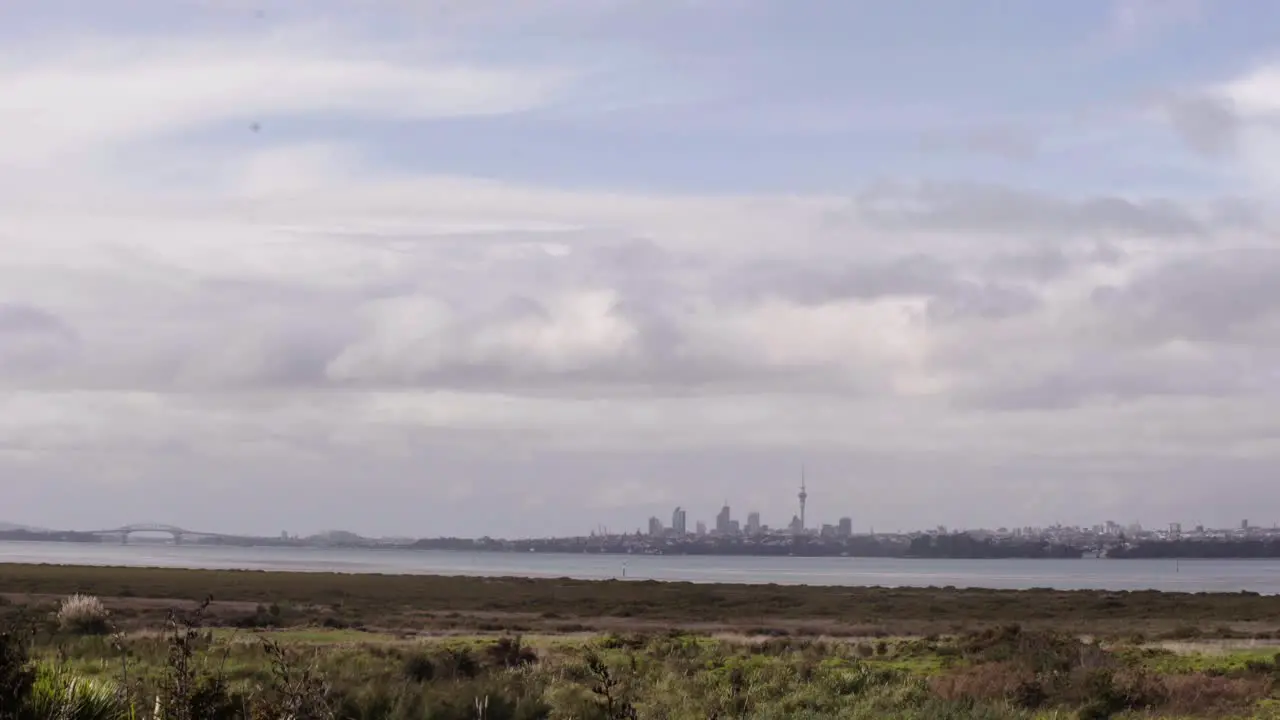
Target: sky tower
x=804, y=496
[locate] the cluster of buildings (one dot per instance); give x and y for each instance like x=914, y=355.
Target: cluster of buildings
x=727, y=526
x=1112, y=532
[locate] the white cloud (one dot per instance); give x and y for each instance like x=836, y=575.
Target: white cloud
x=111, y=91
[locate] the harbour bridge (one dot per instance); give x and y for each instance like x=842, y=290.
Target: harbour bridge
x=178, y=534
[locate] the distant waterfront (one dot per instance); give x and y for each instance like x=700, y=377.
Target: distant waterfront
x=1261, y=576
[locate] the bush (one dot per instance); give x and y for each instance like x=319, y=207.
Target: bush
x=629, y=641
x=458, y=663
x=16, y=675
x=419, y=668
x=57, y=694
x=1204, y=694
x=510, y=652
x=83, y=615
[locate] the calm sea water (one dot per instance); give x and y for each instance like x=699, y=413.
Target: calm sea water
x=1262, y=576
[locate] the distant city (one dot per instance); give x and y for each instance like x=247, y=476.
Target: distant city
x=726, y=526
x=729, y=536
x=1099, y=534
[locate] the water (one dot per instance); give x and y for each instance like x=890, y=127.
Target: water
x=1262, y=576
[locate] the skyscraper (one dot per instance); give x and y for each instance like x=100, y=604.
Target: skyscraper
x=845, y=529
x=753, y=523
x=679, y=522
x=723, y=519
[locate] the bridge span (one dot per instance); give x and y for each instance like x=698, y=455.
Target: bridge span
x=178, y=534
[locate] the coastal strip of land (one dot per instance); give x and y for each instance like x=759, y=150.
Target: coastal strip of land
x=426, y=604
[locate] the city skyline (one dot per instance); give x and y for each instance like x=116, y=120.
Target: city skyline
x=726, y=525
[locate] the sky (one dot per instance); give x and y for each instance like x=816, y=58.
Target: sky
x=483, y=267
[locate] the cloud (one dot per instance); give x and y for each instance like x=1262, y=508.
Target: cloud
x=155, y=88
x=989, y=208
x=1208, y=124
x=1224, y=296
x=32, y=341
x=193, y=312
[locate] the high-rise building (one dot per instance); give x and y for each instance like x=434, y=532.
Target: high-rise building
x=679, y=522
x=701, y=528
x=846, y=527
x=655, y=526
x=753, y=523
x=723, y=519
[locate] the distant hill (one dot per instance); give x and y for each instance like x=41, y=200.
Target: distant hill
x=10, y=527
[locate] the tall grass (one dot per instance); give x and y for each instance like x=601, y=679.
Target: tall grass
x=60, y=695
x=83, y=615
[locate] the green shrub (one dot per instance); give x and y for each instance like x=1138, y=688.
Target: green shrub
x=59, y=695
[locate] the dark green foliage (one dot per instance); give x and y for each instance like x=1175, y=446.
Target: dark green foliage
x=419, y=668
x=17, y=676
x=509, y=652
x=458, y=663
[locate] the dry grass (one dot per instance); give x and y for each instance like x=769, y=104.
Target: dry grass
x=987, y=681
x=1201, y=693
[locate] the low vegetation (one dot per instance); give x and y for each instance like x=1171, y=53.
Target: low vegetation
x=144, y=657
x=195, y=673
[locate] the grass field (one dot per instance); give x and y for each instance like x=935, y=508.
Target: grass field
x=356, y=647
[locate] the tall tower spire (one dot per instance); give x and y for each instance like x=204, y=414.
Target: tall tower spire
x=804, y=497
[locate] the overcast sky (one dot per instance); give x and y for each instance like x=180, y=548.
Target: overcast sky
x=467, y=267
